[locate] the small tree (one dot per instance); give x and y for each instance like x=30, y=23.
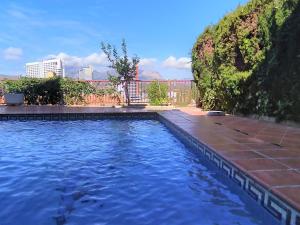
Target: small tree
x=157, y=93
x=124, y=66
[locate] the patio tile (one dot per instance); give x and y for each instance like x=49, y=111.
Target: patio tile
x=277, y=178
x=229, y=147
x=249, y=140
x=291, y=194
x=231, y=155
x=258, y=164
x=291, y=163
x=273, y=132
x=282, y=153
x=295, y=142
x=211, y=139
x=293, y=133
x=270, y=138
x=262, y=146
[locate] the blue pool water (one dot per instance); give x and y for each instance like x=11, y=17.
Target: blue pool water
x=113, y=172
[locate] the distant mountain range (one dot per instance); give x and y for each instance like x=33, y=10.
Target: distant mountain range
x=8, y=77
x=143, y=75
x=73, y=72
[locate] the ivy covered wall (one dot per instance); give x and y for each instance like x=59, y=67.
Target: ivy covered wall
x=250, y=61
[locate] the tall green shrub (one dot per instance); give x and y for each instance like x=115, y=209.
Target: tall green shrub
x=249, y=61
x=75, y=91
x=157, y=93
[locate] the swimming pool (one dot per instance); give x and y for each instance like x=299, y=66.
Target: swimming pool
x=113, y=172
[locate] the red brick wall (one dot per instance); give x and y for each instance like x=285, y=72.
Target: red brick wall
x=102, y=100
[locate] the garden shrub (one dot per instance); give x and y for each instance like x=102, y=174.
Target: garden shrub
x=36, y=91
x=74, y=91
x=53, y=91
x=157, y=93
x=250, y=61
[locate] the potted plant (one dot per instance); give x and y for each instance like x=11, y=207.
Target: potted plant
x=13, y=93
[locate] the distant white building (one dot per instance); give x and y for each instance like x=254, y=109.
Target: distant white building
x=86, y=73
x=45, y=68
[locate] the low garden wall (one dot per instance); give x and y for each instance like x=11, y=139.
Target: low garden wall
x=102, y=100
x=105, y=100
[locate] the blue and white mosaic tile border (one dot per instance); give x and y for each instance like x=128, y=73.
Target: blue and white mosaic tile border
x=79, y=116
x=278, y=208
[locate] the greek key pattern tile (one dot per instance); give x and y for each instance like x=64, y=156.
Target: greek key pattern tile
x=77, y=116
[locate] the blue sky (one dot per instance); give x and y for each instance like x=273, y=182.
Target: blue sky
x=160, y=32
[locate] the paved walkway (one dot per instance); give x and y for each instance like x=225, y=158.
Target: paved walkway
x=268, y=152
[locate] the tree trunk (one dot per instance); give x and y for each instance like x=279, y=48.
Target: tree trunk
x=127, y=92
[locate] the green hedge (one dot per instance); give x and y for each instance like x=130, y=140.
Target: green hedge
x=250, y=61
x=53, y=91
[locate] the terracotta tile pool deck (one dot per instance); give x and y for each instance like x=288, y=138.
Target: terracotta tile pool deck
x=267, y=152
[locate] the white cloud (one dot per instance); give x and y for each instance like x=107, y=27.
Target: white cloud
x=17, y=14
x=22, y=17
x=180, y=63
x=95, y=59
x=12, y=53
x=22, y=23
x=147, y=61
x=69, y=60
